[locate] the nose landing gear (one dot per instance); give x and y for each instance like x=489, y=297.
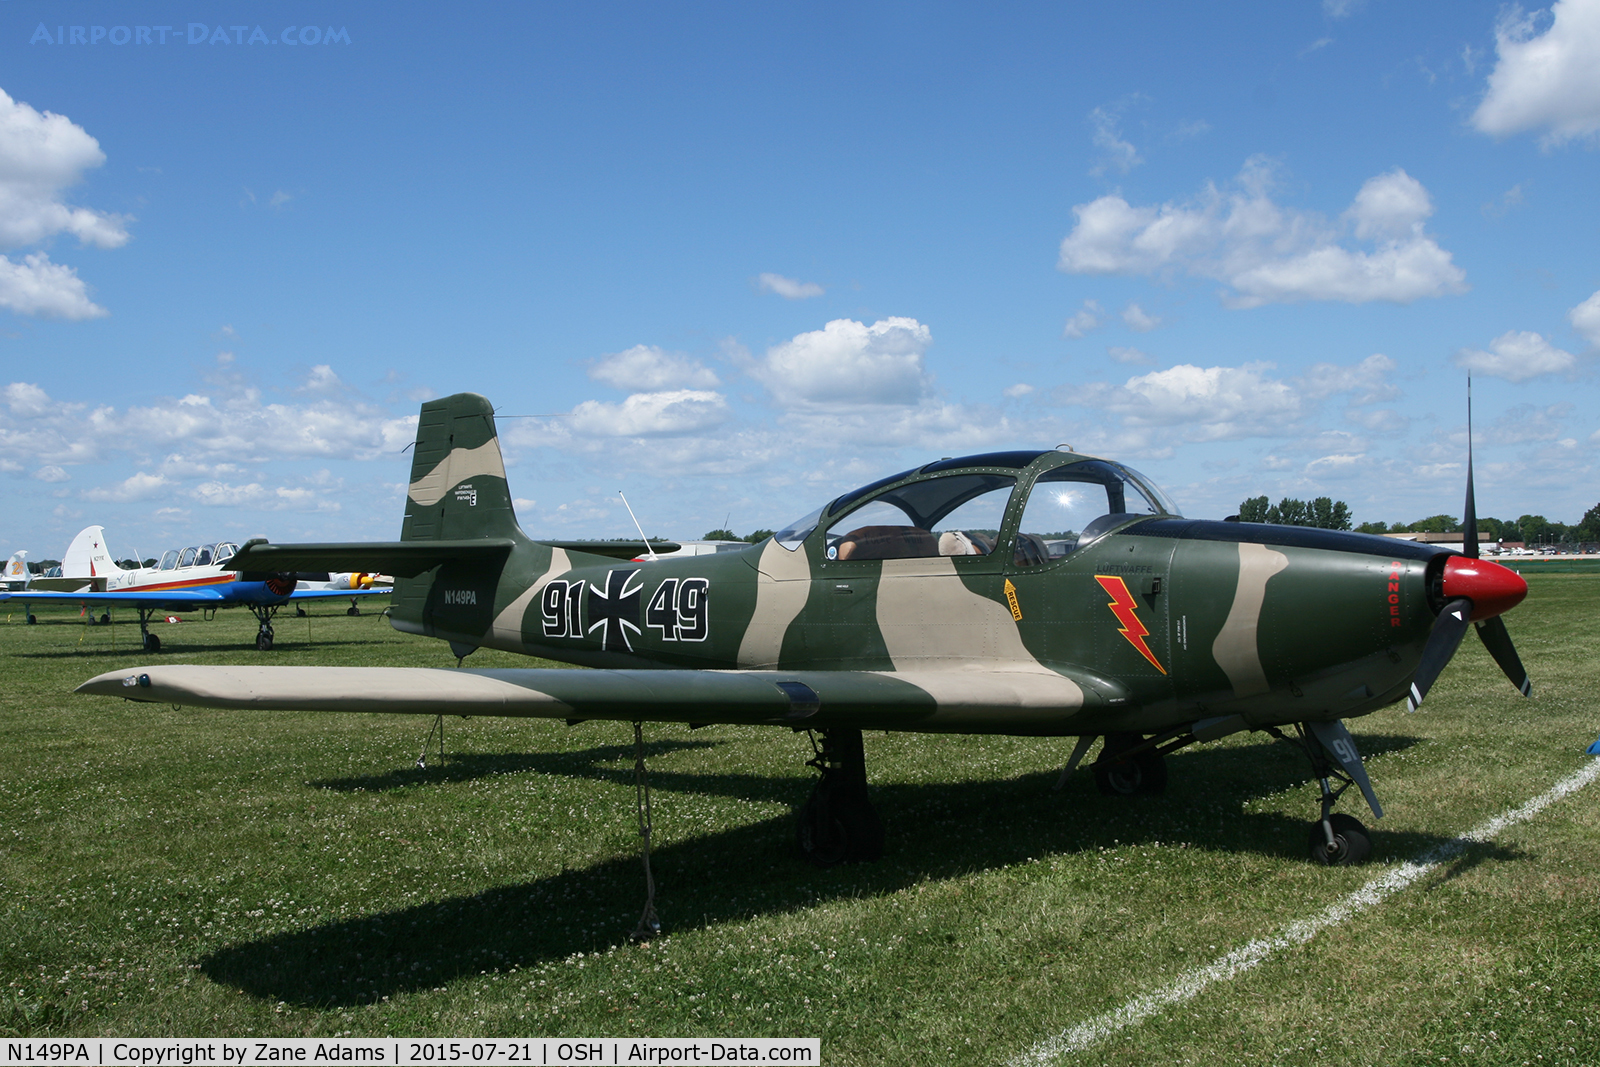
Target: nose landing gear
x=1336, y=840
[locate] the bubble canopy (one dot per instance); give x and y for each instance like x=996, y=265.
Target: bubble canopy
x=959, y=505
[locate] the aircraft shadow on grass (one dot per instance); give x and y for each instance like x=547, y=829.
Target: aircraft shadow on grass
x=467, y=766
x=947, y=830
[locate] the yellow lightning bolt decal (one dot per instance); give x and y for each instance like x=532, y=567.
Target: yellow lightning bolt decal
x=1123, y=607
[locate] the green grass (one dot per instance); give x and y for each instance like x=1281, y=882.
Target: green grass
x=189, y=872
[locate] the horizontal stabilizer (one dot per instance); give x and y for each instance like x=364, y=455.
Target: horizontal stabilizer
x=405, y=559
x=614, y=549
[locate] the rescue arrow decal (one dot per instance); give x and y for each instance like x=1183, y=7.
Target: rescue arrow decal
x=1011, y=601
x=1123, y=607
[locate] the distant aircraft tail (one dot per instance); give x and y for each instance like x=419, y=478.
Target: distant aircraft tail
x=16, y=572
x=88, y=558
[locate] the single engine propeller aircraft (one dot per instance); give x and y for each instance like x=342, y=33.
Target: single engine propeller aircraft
x=186, y=579
x=1025, y=592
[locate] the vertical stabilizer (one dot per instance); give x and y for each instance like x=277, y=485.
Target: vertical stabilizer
x=16, y=573
x=457, y=492
x=458, y=479
x=88, y=558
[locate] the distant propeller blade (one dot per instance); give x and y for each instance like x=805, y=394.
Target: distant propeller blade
x=1448, y=630
x=1498, y=642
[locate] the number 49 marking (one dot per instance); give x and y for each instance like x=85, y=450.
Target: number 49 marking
x=680, y=609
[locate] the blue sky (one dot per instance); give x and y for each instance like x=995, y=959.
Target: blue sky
x=749, y=255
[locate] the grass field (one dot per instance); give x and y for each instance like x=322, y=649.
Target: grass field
x=187, y=872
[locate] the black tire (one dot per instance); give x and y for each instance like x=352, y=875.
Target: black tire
x=300, y=611
x=352, y=610
x=820, y=836
x=264, y=641
x=105, y=618
x=1352, y=842
x=863, y=833
x=1141, y=775
x=152, y=643
x=33, y=620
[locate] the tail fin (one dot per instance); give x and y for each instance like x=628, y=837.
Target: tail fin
x=87, y=557
x=16, y=573
x=458, y=478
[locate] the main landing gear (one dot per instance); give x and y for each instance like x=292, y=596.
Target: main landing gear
x=264, y=614
x=1130, y=766
x=151, y=642
x=838, y=823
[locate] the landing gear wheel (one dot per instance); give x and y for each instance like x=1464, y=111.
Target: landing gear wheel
x=152, y=643
x=1351, y=842
x=33, y=620
x=352, y=610
x=264, y=640
x=821, y=838
x=1142, y=775
x=105, y=619
x=299, y=611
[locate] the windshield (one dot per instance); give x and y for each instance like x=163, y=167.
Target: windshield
x=792, y=535
x=1072, y=505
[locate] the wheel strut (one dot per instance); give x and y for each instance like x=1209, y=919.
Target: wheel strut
x=1336, y=840
x=838, y=823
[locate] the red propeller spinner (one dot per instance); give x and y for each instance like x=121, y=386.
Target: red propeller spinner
x=1491, y=587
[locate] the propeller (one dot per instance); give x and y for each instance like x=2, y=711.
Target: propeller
x=1476, y=591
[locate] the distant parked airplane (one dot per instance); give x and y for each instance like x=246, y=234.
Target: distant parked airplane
x=182, y=580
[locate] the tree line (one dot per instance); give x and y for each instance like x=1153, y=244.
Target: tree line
x=1328, y=514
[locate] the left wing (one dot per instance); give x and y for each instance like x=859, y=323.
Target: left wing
x=1034, y=701
x=175, y=599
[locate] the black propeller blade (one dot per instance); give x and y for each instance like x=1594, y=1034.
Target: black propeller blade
x=1469, y=519
x=1448, y=630
x=1453, y=619
x=1493, y=634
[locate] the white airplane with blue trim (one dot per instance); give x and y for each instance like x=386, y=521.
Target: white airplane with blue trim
x=182, y=580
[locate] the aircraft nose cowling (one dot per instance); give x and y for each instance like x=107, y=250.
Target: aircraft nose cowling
x=1491, y=587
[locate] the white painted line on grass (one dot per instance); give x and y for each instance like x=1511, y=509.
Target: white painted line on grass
x=1189, y=984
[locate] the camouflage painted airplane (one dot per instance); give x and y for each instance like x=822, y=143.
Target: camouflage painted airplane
x=1028, y=592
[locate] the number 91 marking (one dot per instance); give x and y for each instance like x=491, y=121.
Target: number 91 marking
x=680, y=609
x=561, y=602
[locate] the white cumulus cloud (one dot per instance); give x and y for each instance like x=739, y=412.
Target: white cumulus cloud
x=646, y=367
x=1547, y=81
x=668, y=413
x=1516, y=356
x=37, y=286
x=1271, y=254
x=140, y=486
x=1085, y=319
x=1585, y=318
x=40, y=156
x=847, y=364
x=1215, y=403
x=788, y=288
x=1137, y=320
